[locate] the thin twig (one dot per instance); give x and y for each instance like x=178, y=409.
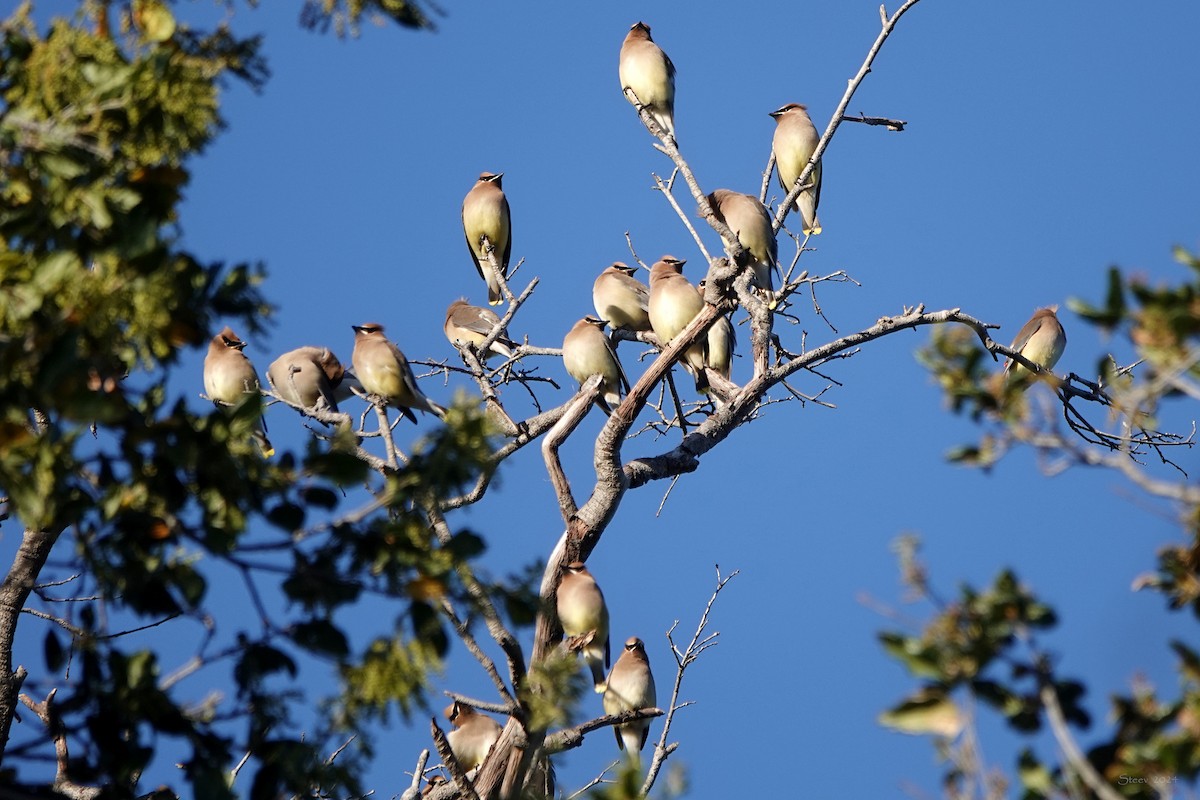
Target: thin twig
x=683, y=659
x=889, y=24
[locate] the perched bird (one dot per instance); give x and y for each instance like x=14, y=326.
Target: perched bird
x=229, y=377
x=384, y=371
x=620, y=299
x=721, y=343
x=586, y=351
x=750, y=222
x=473, y=734
x=307, y=375
x=647, y=70
x=467, y=323
x=485, y=213
x=673, y=304
x=1041, y=340
x=630, y=687
x=581, y=611
x=434, y=782
x=794, y=143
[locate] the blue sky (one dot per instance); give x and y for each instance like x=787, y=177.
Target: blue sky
x=1045, y=143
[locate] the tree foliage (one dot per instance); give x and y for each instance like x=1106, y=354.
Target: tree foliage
x=1151, y=742
x=127, y=486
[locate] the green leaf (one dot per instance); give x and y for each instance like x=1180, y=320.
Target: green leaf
x=286, y=516
x=61, y=166
x=319, y=497
x=465, y=546
x=928, y=711
x=1115, y=304
x=1189, y=661
x=1036, y=779
x=913, y=653
x=260, y=661
x=320, y=636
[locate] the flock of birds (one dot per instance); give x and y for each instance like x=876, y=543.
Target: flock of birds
x=629, y=685
x=309, y=376
x=312, y=377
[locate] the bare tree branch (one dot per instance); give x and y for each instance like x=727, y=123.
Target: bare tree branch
x=889, y=24
x=62, y=783
x=27, y=564
x=700, y=642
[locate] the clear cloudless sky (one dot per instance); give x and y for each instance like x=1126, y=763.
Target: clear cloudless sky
x=1045, y=142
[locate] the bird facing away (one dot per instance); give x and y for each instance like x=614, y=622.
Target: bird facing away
x=229, y=377
x=307, y=375
x=794, y=143
x=384, y=371
x=485, y=213
x=473, y=734
x=673, y=304
x=630, y=687
x=620, y=299
x=581, y=611
x=1041, y=340
x=586, y=351
x=467, y=323
x=648, y=71
x=750, y=222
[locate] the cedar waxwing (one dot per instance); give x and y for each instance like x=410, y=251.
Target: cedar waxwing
x=433, y=783
x=485, y=213
x=721, y=343
x=384, y=371
x=581, y=611
x=229, y=377
x=586, y=351
x=673, y=304
x=468, y=323
x=1042, y=340
x=630, y=687
x=473, y=734
x=794, y=143
x=305, y=375
x=622, y=300
x=647, y=70
x=750, y=222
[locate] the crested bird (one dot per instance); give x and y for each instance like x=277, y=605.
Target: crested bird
x=586, y=351
x=1041, y=340
x=646, y=70
x=794, y=143
x=383, y=371
x=467, y=323
x=620, y=299
x=630, y=687
x=473, y=734
x=751, y=224
x=582, y=612
x=229, y=377
x=485, y=214
x=673, y=304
